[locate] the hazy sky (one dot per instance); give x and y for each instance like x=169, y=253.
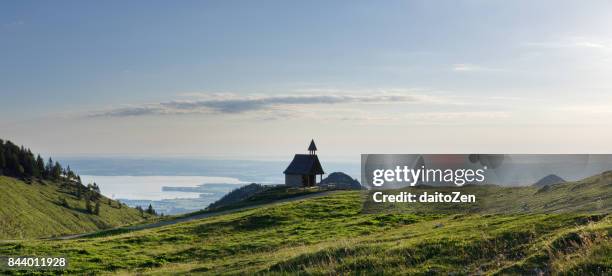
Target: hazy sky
x=259, y=79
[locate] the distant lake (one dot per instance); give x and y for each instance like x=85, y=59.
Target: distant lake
x=268, y=172
x=150, y=187
x=142, y=179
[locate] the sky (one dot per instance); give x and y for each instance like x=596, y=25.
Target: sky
x=259, y=79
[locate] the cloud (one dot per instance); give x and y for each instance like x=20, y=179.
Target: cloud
x=427, y=118
x=235, y=104
x=573, y=42
x=467, y=67
x=462, y=67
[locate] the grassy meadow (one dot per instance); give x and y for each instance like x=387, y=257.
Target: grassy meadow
x=330, y=234
x=35, y=209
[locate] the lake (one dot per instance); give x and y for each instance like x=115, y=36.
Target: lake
x=150, y=187
x=139, y=181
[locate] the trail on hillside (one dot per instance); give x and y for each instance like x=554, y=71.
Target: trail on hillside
x=196, y=217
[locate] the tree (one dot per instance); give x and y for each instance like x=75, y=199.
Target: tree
x=97, y=209
x=96, y=188
x=69, y=173
x=93, y=191
x=150, y=210
x=88, y=206
x=140, y=210
x=40, y=166
x=11, y=155
x=27, y=162
x=2, y=159
x=49, y=169
x=19, y=161
x=56, y=172
x=20, y=171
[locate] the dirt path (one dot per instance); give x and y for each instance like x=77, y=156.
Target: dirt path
x=195, y=217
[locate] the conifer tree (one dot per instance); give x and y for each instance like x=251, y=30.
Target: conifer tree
x=97, y=208
x=96, y=188
x=19, y=161
x=88, y=206
x=150, y=210
x=56, y=173
x=2, y=159
x=49, y=169
x=140, y=210
x=40, y=166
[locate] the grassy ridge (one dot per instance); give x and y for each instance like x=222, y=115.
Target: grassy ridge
x=35, y=210
x=331, y=235
x=590, y=195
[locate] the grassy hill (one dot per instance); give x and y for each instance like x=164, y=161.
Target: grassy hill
x=255, y=194
x=36, y=209
x=331, y=234
x=590, y=195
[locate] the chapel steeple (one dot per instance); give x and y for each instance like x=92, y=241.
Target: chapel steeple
x=312, y=148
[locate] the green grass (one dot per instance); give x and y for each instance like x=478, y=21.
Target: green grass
x=269, y=195
x=34, y=210
x=331, y=235
x=590, y=195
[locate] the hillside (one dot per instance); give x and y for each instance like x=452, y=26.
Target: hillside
x=590, y=195
x=46, y=208
x=238, y=195
x=257, y=194
x=331, y=234
x=340, y=180
x=550, y=179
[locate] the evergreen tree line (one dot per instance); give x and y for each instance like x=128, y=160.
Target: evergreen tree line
x=90, y=193
x=20, y=162
x=149, y=210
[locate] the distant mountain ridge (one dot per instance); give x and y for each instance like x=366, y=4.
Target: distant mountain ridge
x=340, y=180
x=549, y=180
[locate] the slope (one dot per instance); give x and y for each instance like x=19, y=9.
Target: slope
x=44, y=209
x=331, y=235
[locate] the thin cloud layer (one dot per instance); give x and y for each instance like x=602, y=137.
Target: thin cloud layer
x=233, y=104
x=573, y=42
